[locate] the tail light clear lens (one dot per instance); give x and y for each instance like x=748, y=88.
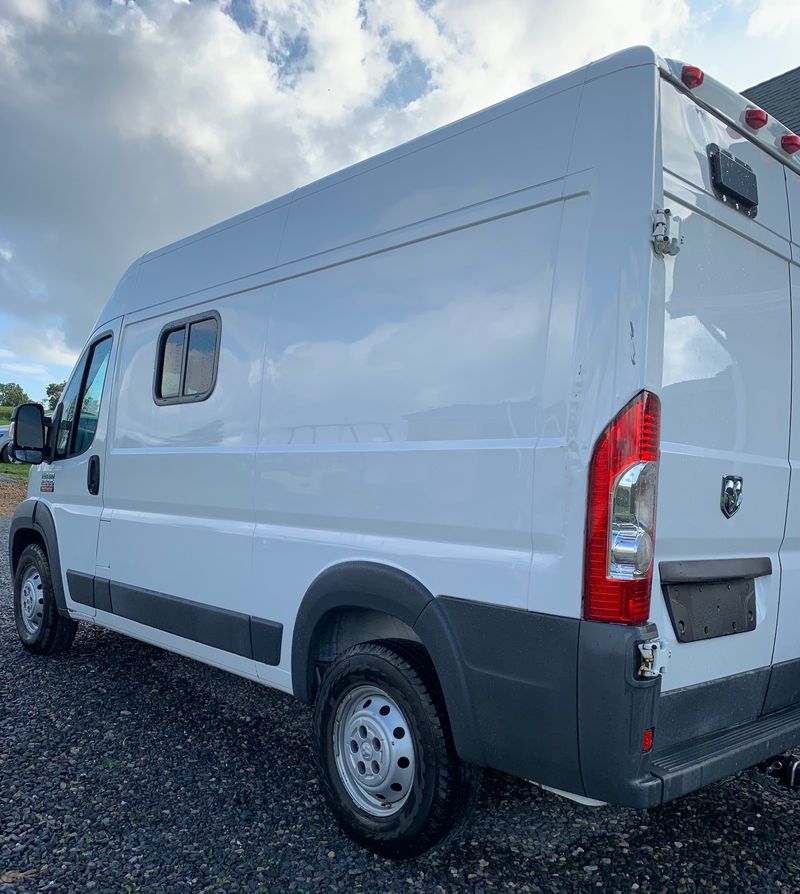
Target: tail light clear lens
x=621, y=515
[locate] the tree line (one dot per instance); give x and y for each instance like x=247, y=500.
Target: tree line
x=13, y=394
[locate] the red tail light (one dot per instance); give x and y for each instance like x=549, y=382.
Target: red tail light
x=692, y=76
x=621, y=515
x=647, y=740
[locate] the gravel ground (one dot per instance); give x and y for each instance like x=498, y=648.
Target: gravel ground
x=126, y=769
x=12, y=492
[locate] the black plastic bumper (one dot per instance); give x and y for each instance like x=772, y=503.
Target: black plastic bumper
x=717, y=755
x=558, y=700
x=548, y=698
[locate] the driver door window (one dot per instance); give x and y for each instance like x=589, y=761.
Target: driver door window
x=81, y=402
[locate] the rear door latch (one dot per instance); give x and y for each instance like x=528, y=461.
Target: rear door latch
x=667, y=239
x=654, y=655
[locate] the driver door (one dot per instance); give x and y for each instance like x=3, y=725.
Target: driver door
x=72, y=482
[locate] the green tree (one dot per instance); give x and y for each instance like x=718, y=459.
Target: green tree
x=54, y=392
x=12, y=395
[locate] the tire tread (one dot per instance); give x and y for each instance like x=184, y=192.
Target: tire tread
x=457, y=784
x=56, y=632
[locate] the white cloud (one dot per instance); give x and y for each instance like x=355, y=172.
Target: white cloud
x=774, y=18
x=127, y=125
x=46, y=346
x=29, y=369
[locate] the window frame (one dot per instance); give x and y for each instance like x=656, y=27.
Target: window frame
x=185, y=323
x=86, y=360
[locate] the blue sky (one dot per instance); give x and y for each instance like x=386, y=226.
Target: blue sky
x=129, y=124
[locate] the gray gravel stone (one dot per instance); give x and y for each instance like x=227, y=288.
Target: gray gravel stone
x=126, y=769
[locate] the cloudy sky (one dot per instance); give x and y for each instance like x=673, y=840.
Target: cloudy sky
x=125, y=125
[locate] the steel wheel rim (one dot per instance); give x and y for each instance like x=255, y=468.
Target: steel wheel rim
x=374, y=750
x=31, y=600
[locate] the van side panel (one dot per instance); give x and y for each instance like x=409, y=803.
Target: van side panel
x=398, y=414
x=402, y=404
x=500, y=155
x=179, y=483
x=597, y=332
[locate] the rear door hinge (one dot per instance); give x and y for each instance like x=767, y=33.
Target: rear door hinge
x=655, y=655
x=667, y=239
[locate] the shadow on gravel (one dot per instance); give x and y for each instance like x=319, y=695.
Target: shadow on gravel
x=124, y=768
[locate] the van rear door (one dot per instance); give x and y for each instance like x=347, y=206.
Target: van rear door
x=726, y=395
x=785, y=685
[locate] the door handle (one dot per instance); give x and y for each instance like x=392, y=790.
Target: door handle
x=93, y=475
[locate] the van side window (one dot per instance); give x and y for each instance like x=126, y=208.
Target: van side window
x=81, y=401
x=187, y=358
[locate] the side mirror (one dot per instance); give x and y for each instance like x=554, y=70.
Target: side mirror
x=28, y=433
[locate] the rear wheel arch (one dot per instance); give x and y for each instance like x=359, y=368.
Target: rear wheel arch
x=355, y=588
x=360, y=588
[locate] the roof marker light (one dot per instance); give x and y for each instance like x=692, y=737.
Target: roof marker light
x=790, y=143
x=692, y=76
x=756, y=118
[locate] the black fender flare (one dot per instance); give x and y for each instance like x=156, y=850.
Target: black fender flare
x=387, y=589
x=34, y=515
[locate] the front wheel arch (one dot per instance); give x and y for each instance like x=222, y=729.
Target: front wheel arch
x=33, y=523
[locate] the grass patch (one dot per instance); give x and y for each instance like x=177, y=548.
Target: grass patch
x=5, y=415
x=15, y=470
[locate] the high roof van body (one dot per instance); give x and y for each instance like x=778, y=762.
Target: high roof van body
x=483, y=446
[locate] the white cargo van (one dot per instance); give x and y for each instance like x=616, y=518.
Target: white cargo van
x=392, y=443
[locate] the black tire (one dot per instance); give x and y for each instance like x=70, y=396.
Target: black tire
x=5, y=455
x=444, y=789
x=54, y=633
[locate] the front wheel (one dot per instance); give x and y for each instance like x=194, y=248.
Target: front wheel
x=384, y=750
x=41, y=628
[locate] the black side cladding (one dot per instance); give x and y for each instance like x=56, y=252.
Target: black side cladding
x=81, y=587
x=519, y=672
x=221, y=628
x=216, y=627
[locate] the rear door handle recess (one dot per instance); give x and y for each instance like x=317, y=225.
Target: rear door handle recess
x=93, y=475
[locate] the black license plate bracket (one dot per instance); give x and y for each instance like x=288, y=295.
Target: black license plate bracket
x=707, y=609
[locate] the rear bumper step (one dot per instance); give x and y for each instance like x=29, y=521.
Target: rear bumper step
x=691, y=765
